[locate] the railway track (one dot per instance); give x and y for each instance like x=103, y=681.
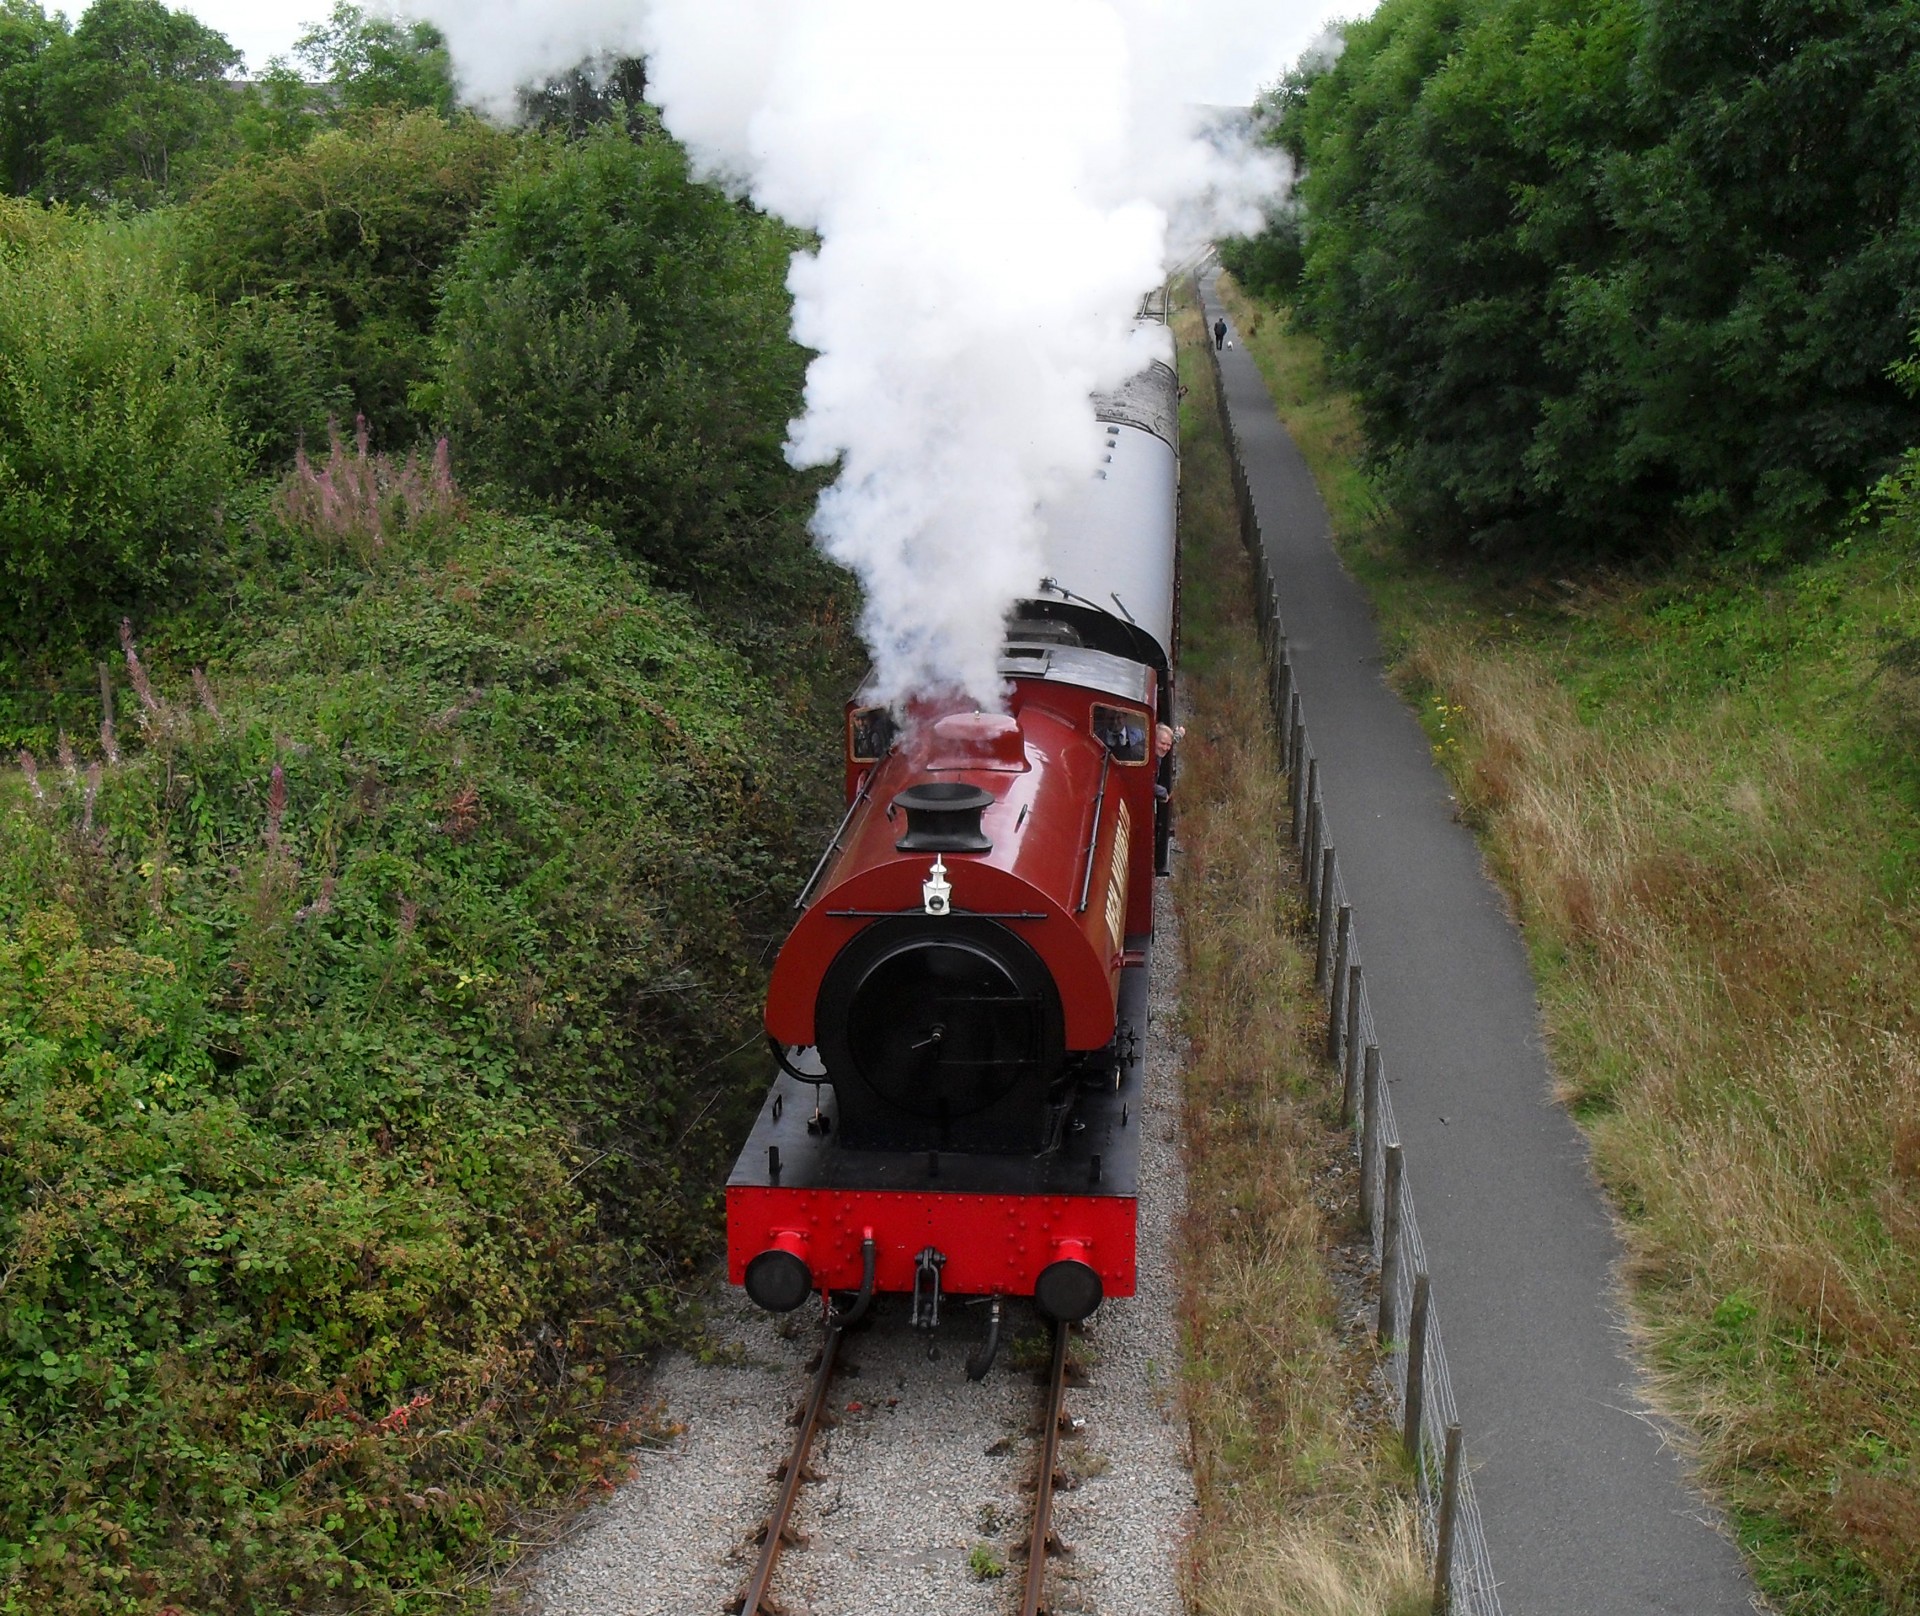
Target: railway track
x=778, y=1531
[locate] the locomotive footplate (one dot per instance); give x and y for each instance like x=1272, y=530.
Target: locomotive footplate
x=999, y=1221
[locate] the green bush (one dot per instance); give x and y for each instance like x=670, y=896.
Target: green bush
x=1270, y=264
x=25, y=225
x=364, y=1063
x=282, y=378
x=357, y=223
x=1601, y=274
x=613, y=344
x=115, y=459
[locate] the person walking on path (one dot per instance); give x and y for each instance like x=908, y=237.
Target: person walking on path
x=1219, y=333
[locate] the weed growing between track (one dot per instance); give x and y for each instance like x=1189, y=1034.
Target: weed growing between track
x=1301, y=1507
x=1700, y=787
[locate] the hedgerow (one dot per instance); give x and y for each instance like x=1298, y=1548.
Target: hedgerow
x=1618, y=277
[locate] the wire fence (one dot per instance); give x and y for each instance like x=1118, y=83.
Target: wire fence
x=1413, y=1350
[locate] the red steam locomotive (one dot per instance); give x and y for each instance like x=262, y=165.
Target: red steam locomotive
x=958, y=1014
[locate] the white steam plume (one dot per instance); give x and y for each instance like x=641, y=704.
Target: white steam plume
x=994, y=186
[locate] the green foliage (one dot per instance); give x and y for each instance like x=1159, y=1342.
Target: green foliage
x=357, y=223
x=984, y=1563
x=1594, y=270
x=281, y=112
x=135, y=104
x=27, y=34
x=25, y=225
x=283, y=382
x=115, y=459
x=599, y=90
x=1270, y=264
x=374, y=62
x=612, y=344
x=365, y=1068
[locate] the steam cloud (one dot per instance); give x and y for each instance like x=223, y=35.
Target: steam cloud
x=994, y=187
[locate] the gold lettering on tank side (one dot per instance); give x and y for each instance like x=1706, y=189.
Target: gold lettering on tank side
x=1117, y=880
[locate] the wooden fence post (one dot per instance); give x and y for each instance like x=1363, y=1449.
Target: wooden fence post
x=1321, y=898
x=1389, y=1242
x=1449, y=1514
x=1417, y=1368
x=1370, y=1138
x=1343, y=951
x=1350, y=1055
x=1310, y=824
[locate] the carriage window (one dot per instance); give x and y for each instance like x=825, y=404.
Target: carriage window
x=1123, y=731
x=870, y=732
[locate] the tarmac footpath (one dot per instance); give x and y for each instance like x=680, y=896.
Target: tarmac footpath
x=1587, y=1504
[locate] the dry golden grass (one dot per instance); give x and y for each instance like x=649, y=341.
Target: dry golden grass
x=1729, y=999
x=1302, y=1505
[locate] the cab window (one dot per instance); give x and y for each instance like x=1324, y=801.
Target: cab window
x=870, y=732
x=1123, y=731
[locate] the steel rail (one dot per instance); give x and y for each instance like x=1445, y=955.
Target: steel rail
x=755, y=1602
x=1033, y=1602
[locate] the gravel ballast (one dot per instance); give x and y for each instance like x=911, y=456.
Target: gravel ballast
x=928, y=1475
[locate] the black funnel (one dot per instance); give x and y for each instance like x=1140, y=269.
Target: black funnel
x=943, y=816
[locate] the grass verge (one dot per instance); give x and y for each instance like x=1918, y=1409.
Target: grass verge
x=1302, y=1508
x=1699, y=785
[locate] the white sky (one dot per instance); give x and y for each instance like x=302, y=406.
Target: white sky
x=263, y=29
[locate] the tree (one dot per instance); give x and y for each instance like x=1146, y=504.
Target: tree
x=379, y=62
x=356, y=225
x=1767, y=268
x=594, y=92
x=1599, y=269
x=137, y=101
x=27, y=35
x=613, y=343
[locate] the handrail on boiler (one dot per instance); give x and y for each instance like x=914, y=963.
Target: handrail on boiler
x=1093, y=840
x=833, y=846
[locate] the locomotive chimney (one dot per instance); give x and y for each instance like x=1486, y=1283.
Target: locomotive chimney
x=943, y=816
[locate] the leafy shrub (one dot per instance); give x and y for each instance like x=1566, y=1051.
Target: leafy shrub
x=1600, y=271
x=1270, y=264
x=612, y=343
x=283, y=384
x=363, y=1067
x=356, y=223
x=115, y=459
x=25, y=224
